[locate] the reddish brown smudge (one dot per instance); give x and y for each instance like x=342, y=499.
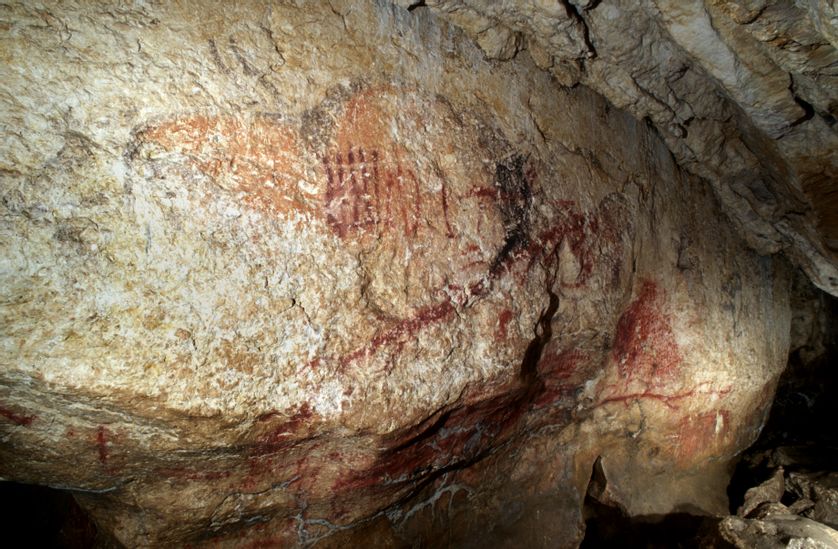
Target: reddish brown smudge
x=580, y=232
x=283, y=434
x=571, y=227
x=377, y=188
x=697, y=435
x=267, y=416
x=556, y=370
x=458, y=436
x=402, y=330
x=560, y=365
x=644, y=344
x=17, y=419
x=485, y=192
x=666, y=398
x=365, y=193
x=503, y=322
x=102, y=435
x=444, y=197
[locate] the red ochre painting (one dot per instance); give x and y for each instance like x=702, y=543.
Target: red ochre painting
x=366, y=183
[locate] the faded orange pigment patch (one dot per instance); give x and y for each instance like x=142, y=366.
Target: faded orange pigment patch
x=371, y=184
x=258, y=157
x=702, y=435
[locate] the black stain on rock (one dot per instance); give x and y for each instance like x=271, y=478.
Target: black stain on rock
x=515, y=202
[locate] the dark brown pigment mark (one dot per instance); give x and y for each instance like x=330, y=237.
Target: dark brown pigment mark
x=17, y=419
x=514, y=192
x=102, y=436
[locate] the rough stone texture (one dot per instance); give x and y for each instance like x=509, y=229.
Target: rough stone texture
x=821, y=489
x=279, y=275
x=770, y=491
x=744, y=92
x=778, y=531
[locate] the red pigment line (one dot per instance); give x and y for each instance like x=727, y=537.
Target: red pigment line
x=17, y=419
x=442, y=310
x=339, y=164
x=376, y=179
x=405, y=328
x=369, y=212
x=484, y=192
x=102, y=443
x=637, y=396
x=662, y=397
x=389, y=186
x=354, y=193
x=403, y=202
x=417, y=202
x=445, y=210
x=330, y=181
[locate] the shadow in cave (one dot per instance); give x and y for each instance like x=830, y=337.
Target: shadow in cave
x=800, y=431
x=608, y=525
x=38, y=516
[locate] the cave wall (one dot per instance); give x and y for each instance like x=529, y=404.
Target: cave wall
x=742, y=91
x=325, y=273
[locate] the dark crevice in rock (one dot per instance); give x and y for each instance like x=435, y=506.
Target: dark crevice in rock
x=785, y=480
x=529, y=364
x=419, y=4
x=808, y=109
x=573, y=13
x=45, y=517
x=461, y=437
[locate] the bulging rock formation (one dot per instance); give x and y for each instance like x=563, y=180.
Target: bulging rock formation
x=742, y=91
x=284, y=275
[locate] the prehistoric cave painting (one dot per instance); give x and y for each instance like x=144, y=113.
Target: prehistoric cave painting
x=450, y=438
x=372, y=185
x=256, y=156
x=647, y=357
x=594, y=236
x=17, y=418
x=561, y=373
x=366, y=193
x=701, y=435
x=514, y=190
x=644, y=345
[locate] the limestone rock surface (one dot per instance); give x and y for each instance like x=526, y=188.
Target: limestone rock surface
x=322, y=273
x=744, y=92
